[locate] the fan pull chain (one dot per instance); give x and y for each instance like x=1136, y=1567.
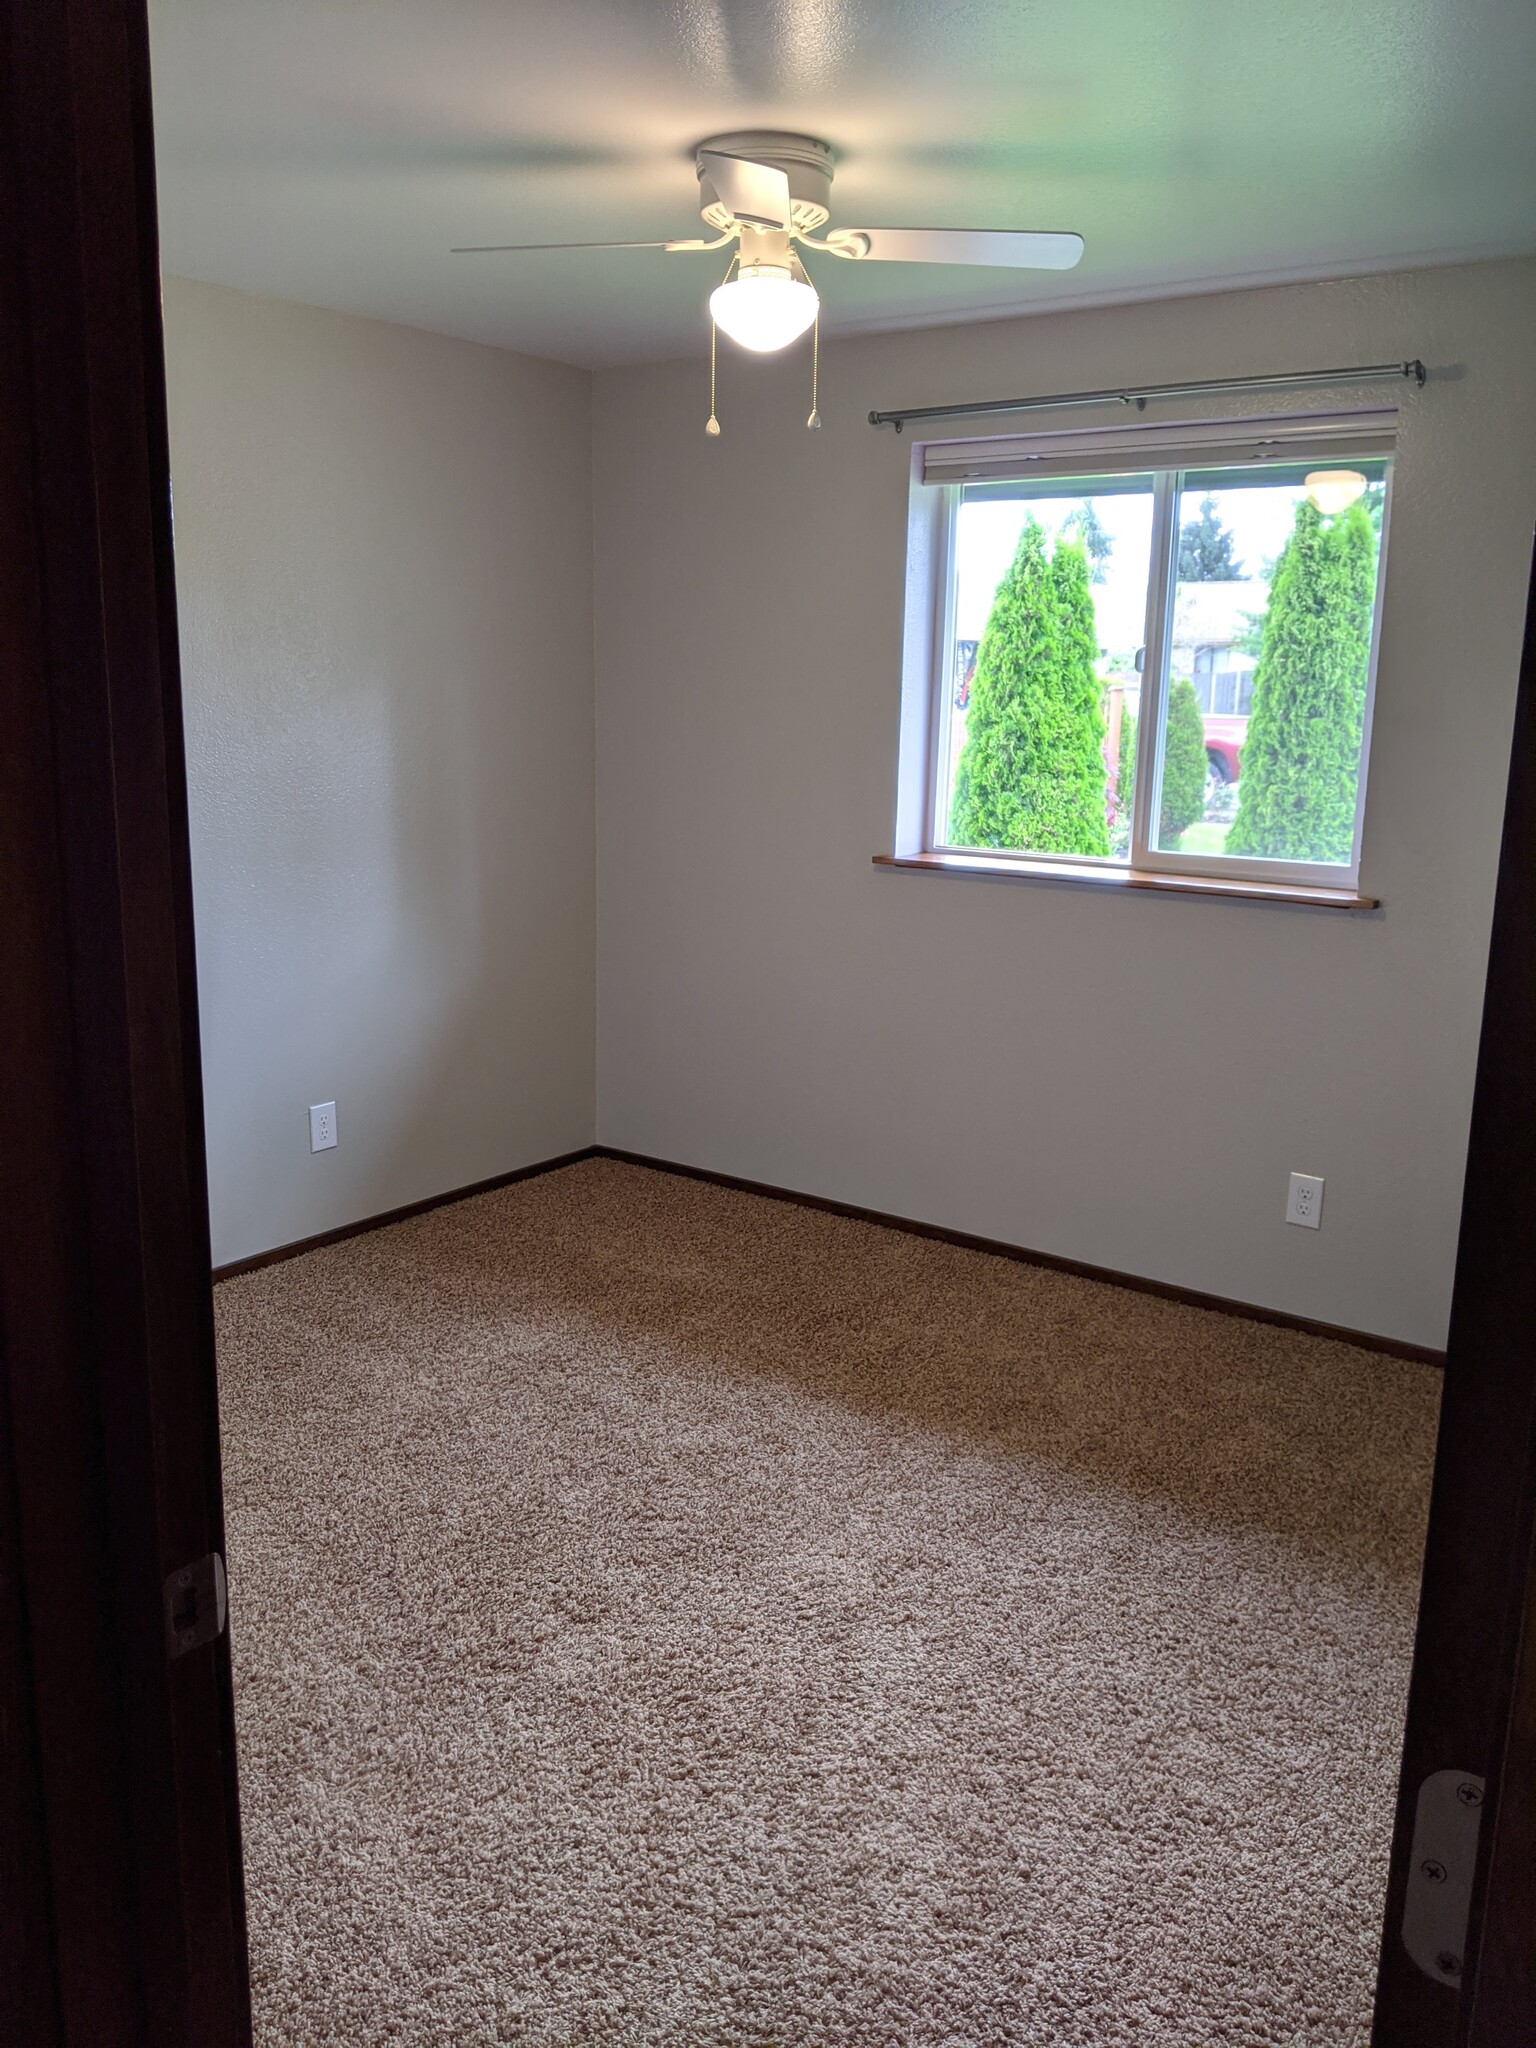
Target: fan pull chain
x=712, y=425
x=814, y=422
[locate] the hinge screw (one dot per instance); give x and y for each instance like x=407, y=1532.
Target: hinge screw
x=1469, y=1795
x=1450, y=1964
x=1435, y=1872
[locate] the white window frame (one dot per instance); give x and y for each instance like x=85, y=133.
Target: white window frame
x=940, y=471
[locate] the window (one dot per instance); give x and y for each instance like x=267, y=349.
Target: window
x=1151, y=647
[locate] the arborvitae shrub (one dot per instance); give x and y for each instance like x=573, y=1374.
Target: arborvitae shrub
x=1183, y=764
x=1183, y=755
x=1301, y=756
x=1031, y=775
x=1125, y=782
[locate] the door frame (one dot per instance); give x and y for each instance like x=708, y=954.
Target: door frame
x=123, y=1919
x=1495, y=1313
x=121, y=1913
x=1472, y=1695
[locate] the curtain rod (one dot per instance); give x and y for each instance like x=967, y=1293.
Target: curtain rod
x=1138, y=395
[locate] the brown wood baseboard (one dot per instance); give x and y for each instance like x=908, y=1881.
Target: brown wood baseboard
x=301, y=1245
x=1221, y=1304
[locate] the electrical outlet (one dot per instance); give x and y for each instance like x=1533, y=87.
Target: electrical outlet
x=1304, y=1203
x=322, y=1126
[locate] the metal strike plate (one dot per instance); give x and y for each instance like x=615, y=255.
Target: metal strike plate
x=196, y=1602
x=1444, y=1856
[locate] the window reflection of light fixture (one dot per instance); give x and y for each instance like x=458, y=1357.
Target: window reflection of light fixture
x=765, y=307
x=1332, y=490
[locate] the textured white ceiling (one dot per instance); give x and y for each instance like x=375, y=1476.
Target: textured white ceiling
x=333, y=150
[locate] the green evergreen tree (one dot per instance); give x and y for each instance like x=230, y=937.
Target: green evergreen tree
x=1031, y=774
x=1092, y=535
x=1125, y=783
x=1249, y=636
x=1205, y=548
x=1301, y=757
x=1184, y=768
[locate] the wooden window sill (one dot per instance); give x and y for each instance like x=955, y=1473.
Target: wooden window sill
x=1086, y=873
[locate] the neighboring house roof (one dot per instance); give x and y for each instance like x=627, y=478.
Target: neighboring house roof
x=1217, y=614
x=1206, y=614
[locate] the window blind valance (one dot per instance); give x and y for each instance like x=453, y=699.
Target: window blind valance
x=1131, y=450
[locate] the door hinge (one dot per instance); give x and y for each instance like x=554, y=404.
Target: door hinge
x=1442, y=1861
x=196, y=1601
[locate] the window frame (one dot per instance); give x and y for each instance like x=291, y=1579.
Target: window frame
x=1125, y=452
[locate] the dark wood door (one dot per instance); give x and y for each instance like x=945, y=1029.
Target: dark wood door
x=1472, y=1703
x=123, y=1922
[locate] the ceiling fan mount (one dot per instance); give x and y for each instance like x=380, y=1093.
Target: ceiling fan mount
x=806, y=165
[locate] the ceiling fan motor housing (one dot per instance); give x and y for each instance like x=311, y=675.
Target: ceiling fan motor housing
x=806, y=163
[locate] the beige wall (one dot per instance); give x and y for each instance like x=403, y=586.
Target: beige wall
x=1122, y=1081
x=383, y=544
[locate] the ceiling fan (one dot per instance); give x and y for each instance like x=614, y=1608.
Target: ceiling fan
x=768, y=194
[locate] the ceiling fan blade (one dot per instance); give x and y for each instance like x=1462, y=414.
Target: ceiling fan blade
x=529, y=248
x=1004, y=248
x=755, y=193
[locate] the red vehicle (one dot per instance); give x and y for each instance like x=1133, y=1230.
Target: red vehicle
x=1225, y=732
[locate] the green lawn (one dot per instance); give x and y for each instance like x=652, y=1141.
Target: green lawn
x=1205, y=838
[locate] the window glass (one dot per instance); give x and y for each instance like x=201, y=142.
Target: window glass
x=1048, y=615
x=1268, y=657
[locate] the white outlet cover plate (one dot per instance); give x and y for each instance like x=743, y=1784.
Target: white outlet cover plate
x=322, y=1126
x=1304, y=1203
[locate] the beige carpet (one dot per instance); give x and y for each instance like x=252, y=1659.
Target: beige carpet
x=667, y=1616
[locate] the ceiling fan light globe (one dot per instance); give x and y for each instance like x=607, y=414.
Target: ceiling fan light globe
x=764, y=307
